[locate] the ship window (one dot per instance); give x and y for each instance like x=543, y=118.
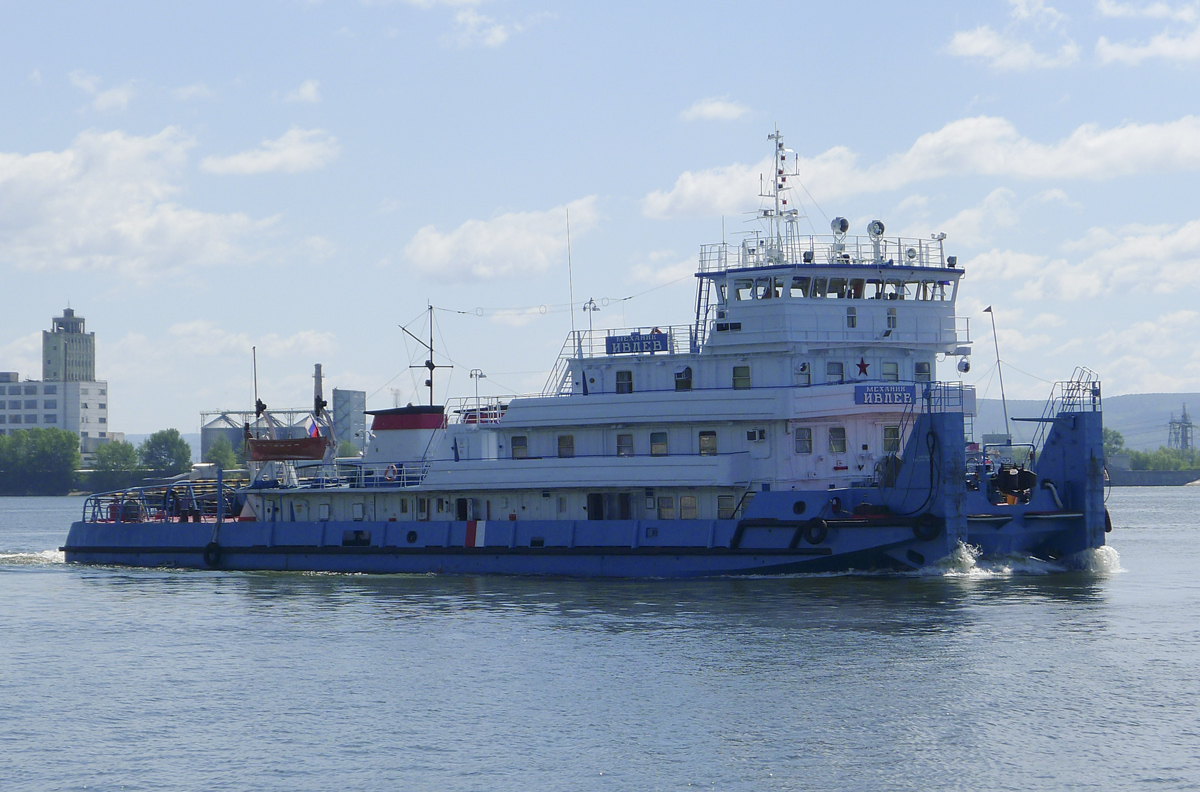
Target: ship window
x=803, y=439
x=895, y=290
x=624, y=445
x=804, y=374
x=666, y=507
x=687, y=507
x=891, y=371
x=891, y=439
x=818, y=288
x=921, y=372
x=851, y=318
x=658, y=444
x=624, y=382
x=743, y=288
x=404, y=505
x=837, y=439
x=520, y=446
x=762, y=289
x=834, y=372
x=562, y=505
x=891, y=319
x=741, y=377
x=566, y=445
x=683, y=379
x=323, y=512
x=837, y=288
x=856, y=289
x=725, y=507
x=723, y=290
x=800, y=287
x=708, y=444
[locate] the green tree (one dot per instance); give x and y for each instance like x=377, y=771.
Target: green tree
x=115, y=457
x=166, y=451
x=221, y=453
x=346, y=448
x=38, y=462
x=1114, y=442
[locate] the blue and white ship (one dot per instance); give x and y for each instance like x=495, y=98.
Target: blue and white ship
x=795, y=426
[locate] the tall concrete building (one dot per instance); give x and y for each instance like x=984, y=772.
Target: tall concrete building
x=68, y=353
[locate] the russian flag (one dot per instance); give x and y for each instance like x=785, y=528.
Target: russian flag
x=313, y=431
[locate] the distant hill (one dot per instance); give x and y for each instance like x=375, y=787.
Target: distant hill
x=1140, y=417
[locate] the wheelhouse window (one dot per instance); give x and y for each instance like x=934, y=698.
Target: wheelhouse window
x=624, y=445
x=519, y=445
x=688, y=509
x=708, y=444
x=566, y=445
x=891, y=439
x=658, y=444
x=803, y=439
x=683, y=379
x=800, y=287
x=921, y=372
x=624, y=382
x=743, y=288
x=891, y=371
x=834, y=372
x=837, y=439
x=741, y=377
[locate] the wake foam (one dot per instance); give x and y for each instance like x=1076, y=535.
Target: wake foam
x=1099, y=561
x=32, y=559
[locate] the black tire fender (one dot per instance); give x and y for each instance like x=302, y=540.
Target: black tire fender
x=212, y=555
x=927, y=527
x=815, y=531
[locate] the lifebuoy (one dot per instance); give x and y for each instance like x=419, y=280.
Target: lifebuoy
x=815, y=531
x=212, y=555
x=927, y=527
x=390, y=473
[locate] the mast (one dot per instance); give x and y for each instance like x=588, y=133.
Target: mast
x=429, y=364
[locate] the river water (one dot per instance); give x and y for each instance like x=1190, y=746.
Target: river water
x=971, y=677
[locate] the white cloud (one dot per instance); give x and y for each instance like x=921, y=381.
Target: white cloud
x=1008, y=54
x=714, y=109
x=1183, y=13
x=971, y=146
x=204, y=338
x=473, y=28
x=1036, y=11
x=105, y=203
x=662, y=267
x=35, y=76
x=23, y=355
x=194, y=91
x=112, y=99
x=1164, y=45
x=514, y=244
x=1147, y=261
x=309, y=91
x=296, y=151
x=974, y=226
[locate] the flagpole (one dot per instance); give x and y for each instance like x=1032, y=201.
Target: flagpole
x=1000, y=371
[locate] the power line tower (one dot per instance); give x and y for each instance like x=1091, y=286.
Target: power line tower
x=1180, y=432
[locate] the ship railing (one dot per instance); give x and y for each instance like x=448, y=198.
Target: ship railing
x=177, y=501
x=646, y=340
x=1079, y=394
x=822, y=250
x=476, y=409
x=943, y=397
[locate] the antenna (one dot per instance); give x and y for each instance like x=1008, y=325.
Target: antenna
x=1000, y=371
x=429, y=364
x=570, y=272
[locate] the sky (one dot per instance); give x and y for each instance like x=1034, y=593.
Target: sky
x=304, y=178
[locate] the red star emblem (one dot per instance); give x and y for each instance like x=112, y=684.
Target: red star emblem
x=862, y=367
